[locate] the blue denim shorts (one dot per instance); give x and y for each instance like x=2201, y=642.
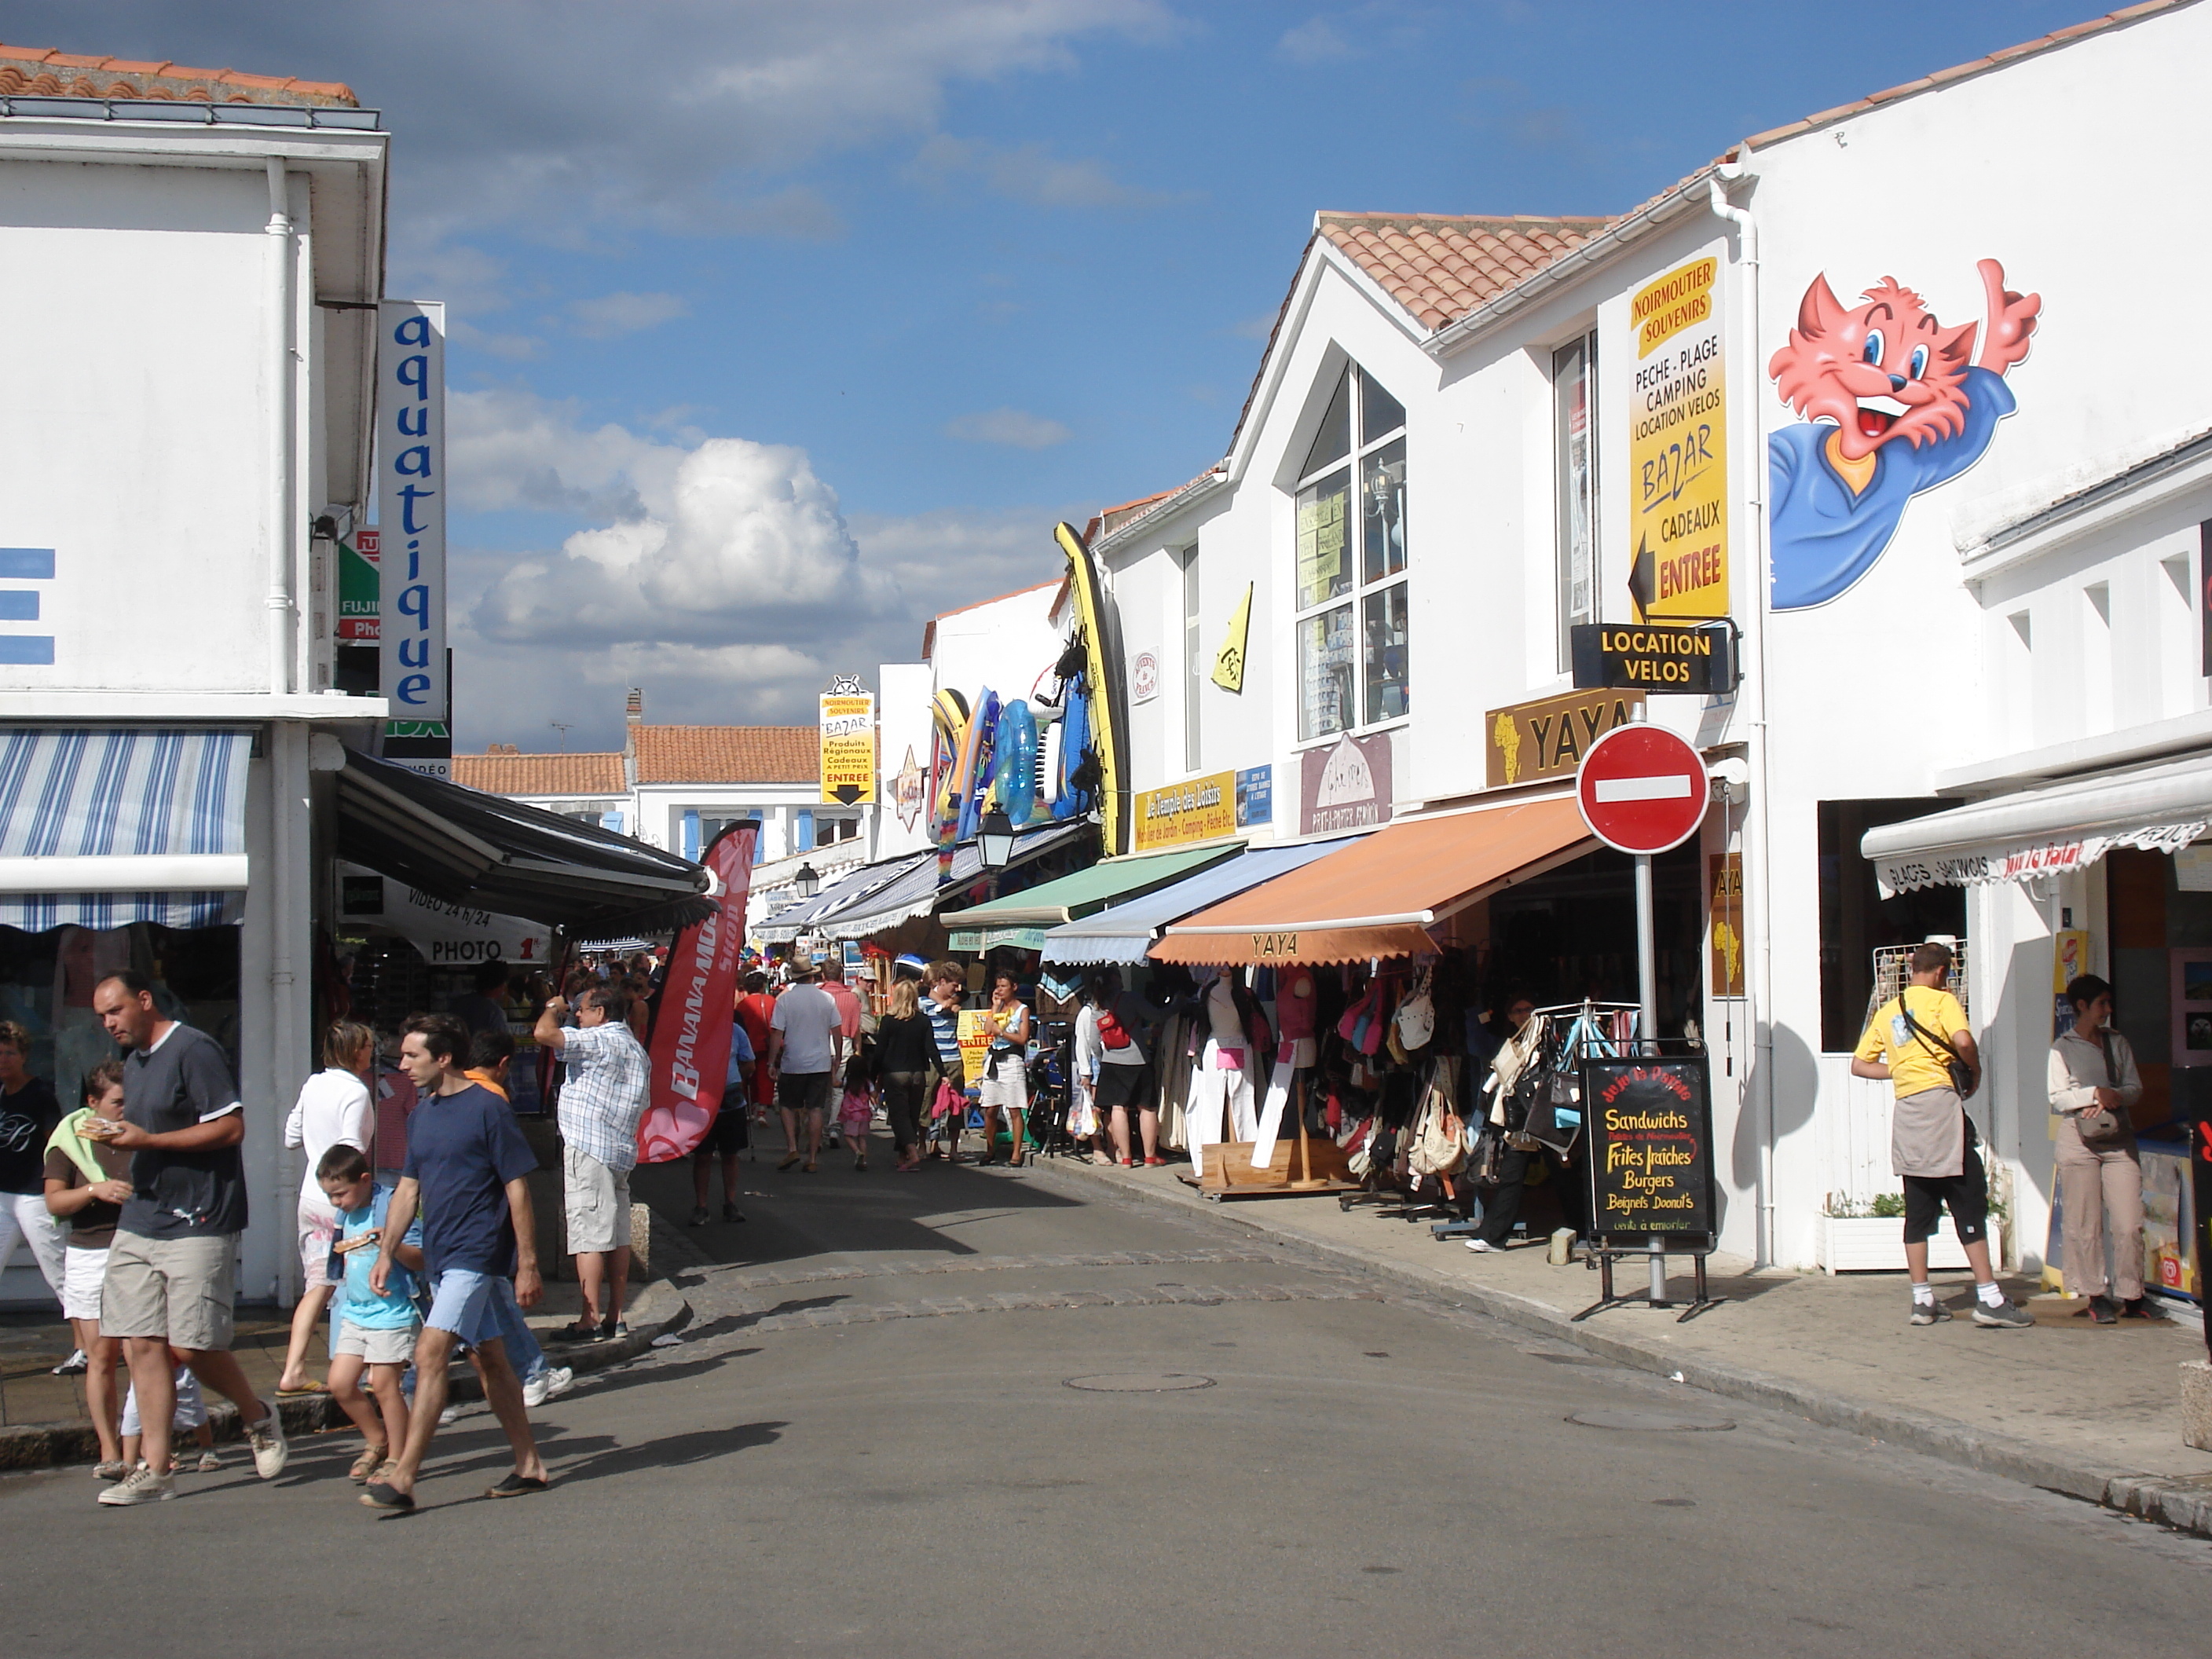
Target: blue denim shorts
x=475, y=1307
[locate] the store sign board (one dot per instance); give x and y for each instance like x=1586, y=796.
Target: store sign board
x=1655, y=656
x=848, y=744
x=357, y=589
x=1201, y=809
x=1677, y=445
x=1346, y=786
x=446, y=934
x=410, y=504
x=1255, y=796
x=1531, y=742
x=1650, y=1125
x=1144, y=676
x=1724, y=902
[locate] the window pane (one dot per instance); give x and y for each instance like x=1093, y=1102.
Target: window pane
x=1325, y=653
x=1334, y=440
x=1382, y=653
x=1577, y=489
x=1379, y=412
x=1324, y=565
x=1382, y=511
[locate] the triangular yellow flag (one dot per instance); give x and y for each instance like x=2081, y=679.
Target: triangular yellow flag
x=1228, y=661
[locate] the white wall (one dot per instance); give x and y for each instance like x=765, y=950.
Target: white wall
x=902, y=729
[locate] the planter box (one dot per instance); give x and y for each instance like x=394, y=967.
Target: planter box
x=1876, y=1244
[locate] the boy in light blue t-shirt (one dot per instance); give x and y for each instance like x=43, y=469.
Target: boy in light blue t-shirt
x=374, y=1331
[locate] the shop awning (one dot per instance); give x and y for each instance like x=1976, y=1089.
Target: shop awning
x=1125, y=933
x=1022, y=918
x=1377, y=896
x=853, y=887
x=918, y=893
x=103, y=827
x=468, y=847
x=2049, y=831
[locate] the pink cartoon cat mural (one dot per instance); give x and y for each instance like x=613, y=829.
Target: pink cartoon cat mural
x=1893, y=404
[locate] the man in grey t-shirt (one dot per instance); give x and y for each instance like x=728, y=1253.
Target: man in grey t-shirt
x=172, y=1271
x=806, y=1049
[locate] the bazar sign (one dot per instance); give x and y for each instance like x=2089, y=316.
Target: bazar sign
x=1530, y=742
x=1615, y=656
x=848, y=744
x=1678, y=447
x=1197, y=810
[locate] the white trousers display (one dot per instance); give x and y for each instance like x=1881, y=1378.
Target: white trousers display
x=1213, y=1091
x=24, y=1216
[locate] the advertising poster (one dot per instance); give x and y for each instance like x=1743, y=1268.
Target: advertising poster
x=1724, y=890
x=848, y=744
x=1677, y=445
x=357, y=586
x=974, y=1046
x=1650, y=1157
x=410, y=506
x=1345, y=787
x=1180, y=813
x=694, y=1009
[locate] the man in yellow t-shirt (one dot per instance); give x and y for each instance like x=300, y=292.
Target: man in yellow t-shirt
x=1913, y=1041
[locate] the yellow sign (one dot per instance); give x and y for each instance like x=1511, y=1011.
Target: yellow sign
x=974, y=1046
x=1726, y=894
x=848, y=747
x=2070, y=958
x=1678, y=447
x=1228, y=661
x=1532, y=741
x=1198, y=810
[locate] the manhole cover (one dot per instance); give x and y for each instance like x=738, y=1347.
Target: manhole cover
x=1647, y=1422
x=1139, y=1383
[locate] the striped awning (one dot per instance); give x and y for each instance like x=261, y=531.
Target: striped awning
x=103, y=827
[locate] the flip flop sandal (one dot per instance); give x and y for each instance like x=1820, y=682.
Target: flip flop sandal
x=367, y=1464
x=583, y=1330
x=307, y=1392
x=787, y=1163
x=385, y=1501
x=517, y=1485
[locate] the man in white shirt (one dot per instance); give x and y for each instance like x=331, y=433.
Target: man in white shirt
x=805, y=1045
x=607, y=1090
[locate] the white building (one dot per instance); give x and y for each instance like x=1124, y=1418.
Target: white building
x=1440, y=470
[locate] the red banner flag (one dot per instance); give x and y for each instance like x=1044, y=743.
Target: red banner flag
x=690, y=1047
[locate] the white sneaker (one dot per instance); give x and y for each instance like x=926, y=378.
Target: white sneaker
x=448, y=1417
x=271, y=1451
x=549, y=1384
x=141, y=1486
x=1480, y=1246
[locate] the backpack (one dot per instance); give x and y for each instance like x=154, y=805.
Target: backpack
x=1112, y=1034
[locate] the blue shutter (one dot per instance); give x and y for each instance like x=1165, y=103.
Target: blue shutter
x=691, y=835
x=803, y=825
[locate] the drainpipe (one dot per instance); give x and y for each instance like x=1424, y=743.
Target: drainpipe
x=287, y=764
x=280, y=429
x=1758, y=860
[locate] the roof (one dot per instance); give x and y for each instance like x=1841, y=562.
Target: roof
x=1439, y=266
x=40, y=71
x=501, y=771
x=727, y=754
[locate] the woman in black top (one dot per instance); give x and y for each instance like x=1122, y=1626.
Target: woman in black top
x=906, y=1059
x=28, y=1112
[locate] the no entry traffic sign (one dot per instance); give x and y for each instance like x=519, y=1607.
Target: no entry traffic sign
x=1642, y=789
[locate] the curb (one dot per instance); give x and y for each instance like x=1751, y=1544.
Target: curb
x=659, y=1308
x=2184, y=1506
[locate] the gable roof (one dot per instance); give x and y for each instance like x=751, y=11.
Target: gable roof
x=40, y=71
x=727, y=754
x=503, y=772
x=1439, y=266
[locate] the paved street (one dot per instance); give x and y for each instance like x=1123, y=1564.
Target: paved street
x=876, y=1439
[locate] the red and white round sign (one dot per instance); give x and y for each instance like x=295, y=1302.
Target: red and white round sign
x=1642, y=789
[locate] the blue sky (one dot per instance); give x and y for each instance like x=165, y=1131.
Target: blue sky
x=778, y=328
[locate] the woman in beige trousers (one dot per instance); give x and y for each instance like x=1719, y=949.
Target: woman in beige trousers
x=2100, y=1181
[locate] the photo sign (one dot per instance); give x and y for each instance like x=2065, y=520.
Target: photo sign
x=1650, y=1125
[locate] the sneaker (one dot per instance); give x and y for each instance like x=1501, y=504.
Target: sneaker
x=2103, y=1310
x=1480, y=1246
x=448, y=1417
x=731, y=1213
x=549, y=1384
x=1930, y=1313
x=2142, y=1308
x=698, y=1216
x=76, y=1366
x=270, y=1453
x=2006, y=1315
x=141, y=1486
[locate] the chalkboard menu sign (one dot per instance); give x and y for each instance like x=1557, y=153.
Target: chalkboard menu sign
x=1651, y=1147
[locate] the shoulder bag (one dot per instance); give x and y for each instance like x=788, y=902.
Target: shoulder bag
x=2101, y=1125
x=1962, y=1075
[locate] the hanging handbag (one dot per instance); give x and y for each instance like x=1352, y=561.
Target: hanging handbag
x=1415, y=1021
x=2101, y=1125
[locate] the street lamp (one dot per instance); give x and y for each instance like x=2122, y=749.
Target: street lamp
x=808, y=883
x=994, y=841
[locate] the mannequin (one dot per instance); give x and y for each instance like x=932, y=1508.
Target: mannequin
x=1227, y=1077
x=1294, y=1015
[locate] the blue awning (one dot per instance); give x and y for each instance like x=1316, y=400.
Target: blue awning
x=103, y=827
x=1124, y=932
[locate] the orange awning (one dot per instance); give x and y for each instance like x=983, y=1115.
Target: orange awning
x=1379, y=895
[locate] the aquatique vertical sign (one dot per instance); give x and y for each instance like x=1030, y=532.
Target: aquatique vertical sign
x=1677, y=445
x=411, y=507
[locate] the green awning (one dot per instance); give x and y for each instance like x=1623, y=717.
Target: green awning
x=1084, y=893
x=978, y=939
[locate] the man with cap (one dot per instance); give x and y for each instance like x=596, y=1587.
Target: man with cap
x=806, y=1048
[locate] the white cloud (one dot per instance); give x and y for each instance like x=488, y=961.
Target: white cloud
x=1031, y=172
x=612, y=315
x=509, y=448
x=1015, y=428
x=1313, y=41
x=514, y=348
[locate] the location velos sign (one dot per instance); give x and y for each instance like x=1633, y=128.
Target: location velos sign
x=1642, y=789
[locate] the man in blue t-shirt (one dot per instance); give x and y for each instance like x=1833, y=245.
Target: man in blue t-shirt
x=467, y=1175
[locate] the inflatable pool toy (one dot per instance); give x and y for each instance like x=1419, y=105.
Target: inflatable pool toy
x=1101, y=676
x=1013, y=765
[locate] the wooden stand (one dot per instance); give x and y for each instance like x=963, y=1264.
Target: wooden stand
x=1307, y=1181
x=1227, y=1171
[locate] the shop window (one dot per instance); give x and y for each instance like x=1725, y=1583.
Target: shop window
x=46, y=983
x=1855, y=920
x=1573, y=389
x=1349, y=568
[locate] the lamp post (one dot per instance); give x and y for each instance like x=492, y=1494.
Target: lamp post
x=995, y=841
x=806, y=881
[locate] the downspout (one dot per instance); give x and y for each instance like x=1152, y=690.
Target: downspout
x=287, y=764
x=280, y=434
x=1758, y=911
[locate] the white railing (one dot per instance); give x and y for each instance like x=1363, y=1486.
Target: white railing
x=1851, y=1118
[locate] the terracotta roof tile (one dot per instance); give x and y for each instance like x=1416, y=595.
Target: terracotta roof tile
x=503, y=772
x=1441, y=266
x=727, y=754
x=31, y=69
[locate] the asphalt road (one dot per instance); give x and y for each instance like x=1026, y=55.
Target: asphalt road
x=971, y=1414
